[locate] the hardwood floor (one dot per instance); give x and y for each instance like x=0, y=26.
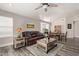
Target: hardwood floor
x=40, y=52
x=73, y=42
x=27, y=51
x=24, y=51
x=68, y=51
x=9, y=51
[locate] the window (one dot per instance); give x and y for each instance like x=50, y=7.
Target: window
x=6, y=26
x=44, y=26
x=45, y=18
x=45, y=23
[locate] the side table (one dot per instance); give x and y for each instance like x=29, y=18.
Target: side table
x=18, y=42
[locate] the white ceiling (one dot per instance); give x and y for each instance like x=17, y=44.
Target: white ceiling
x=27, y=9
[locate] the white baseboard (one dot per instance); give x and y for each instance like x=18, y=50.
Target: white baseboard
x=6, y=44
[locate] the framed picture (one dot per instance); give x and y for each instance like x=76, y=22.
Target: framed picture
x=30, y=25
x=69, y=26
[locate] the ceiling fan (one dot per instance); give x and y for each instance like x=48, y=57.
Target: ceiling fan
x=46, y=5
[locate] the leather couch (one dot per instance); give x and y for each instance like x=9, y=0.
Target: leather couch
x=31, y=37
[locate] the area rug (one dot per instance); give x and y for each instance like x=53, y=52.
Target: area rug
x=68, y=51
x=38, y=52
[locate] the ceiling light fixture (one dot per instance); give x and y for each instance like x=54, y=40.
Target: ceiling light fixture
x=45, y=7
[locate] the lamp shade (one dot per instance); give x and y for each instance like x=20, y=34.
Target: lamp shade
x=18, y=29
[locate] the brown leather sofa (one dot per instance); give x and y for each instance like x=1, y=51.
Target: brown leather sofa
x=31, y=37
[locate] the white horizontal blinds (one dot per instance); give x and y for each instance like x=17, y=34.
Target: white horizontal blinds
x=6, y=26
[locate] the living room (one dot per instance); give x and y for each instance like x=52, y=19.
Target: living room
x=49, y=22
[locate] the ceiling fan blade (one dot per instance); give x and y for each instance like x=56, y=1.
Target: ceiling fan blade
x=38, y=7
x=53, y=5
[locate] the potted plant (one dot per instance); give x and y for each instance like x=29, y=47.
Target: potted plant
x=45, y=30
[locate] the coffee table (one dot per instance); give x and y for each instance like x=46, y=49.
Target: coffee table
x=46, y=44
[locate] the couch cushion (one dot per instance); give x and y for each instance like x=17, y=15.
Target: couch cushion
x=29, y=36
x=33, y=35
x=40, y=34
x=35, y=38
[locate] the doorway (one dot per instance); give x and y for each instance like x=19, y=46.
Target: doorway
x=76, y=33
x=73, y=39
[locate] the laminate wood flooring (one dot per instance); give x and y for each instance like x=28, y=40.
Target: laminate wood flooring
x=10, y=51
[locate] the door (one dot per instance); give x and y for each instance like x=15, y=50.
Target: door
x=76, y=33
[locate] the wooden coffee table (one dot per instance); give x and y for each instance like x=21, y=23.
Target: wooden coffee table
x=46, y=44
